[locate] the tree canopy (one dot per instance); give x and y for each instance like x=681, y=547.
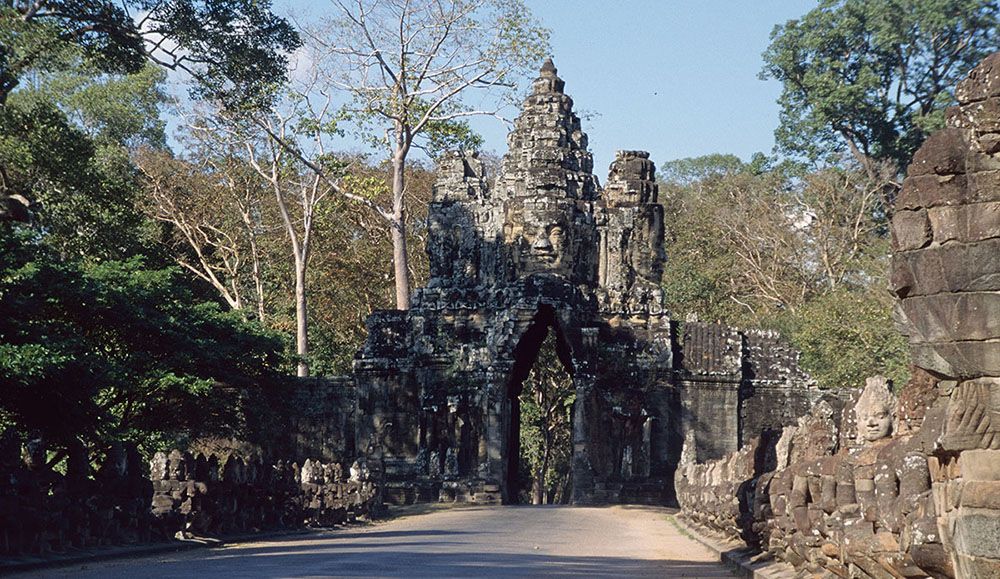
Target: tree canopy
x=100, y=338
x=872, y=77
x=118, y=349
x=415, y=71
x=798, y=251
x=236, y=49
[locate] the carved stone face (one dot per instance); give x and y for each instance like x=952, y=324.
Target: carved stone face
x=175, y=467
x=874, y=410
x=875, y=424
x=545, y=241
x=541, y=239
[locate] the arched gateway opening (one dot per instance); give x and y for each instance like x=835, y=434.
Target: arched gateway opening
x=538, y=422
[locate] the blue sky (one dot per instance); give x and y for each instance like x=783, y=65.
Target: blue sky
x=677, y=78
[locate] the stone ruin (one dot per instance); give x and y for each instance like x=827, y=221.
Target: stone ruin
x=544, y=248
x=906, y=487
x=721, y=420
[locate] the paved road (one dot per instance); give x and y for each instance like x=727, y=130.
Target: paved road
x=463, y=542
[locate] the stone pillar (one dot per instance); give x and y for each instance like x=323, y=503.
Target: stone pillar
x=585, y=416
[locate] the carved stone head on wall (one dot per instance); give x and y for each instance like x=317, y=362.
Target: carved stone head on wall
x=874, y=410
x=541, y=236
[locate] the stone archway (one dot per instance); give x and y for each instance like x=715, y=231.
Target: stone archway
x=544, y=246
x=525, y=357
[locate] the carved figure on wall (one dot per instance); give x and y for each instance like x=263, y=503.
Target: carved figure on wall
x=541, y=238
x=874, y=410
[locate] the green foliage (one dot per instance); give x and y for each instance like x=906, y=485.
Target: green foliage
x=49, y=36
x=847, y=336
x=692, y=169
x=83, y=191
x=97, y=339
x=119, y=350
x=236, y=50
x=715, y=206
x=120, y=109
x=803, y=252
x=874, y=76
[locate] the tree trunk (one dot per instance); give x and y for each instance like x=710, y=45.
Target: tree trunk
x=542, y=471
x=301, y=317
x=258, y=282
x=399, y=256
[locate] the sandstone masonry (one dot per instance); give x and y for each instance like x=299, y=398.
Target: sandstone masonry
x=907, y=487
x=544, y=248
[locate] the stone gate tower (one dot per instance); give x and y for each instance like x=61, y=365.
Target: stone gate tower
x=541, y=249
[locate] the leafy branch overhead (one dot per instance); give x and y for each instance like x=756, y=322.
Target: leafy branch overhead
x=236, y=50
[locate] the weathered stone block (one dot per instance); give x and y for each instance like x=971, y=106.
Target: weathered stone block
x=982, y=465
x=984, y=114
x=982, y=494
x=932, y=557
x=977, y=567
x=943, y=153
x=977, y=532
x=948, y=223
x=988, y=143
x=982, y=83
x=911, y=230
x=965, y=359
x=971, y=267
x=922, y=191
x=954, y=317
x=917, y=273
x=978, y=162
x=983, y=186
x=983, y=221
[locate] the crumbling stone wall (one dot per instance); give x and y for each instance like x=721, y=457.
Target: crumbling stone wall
x=922, y=498
x=946, y=274
x=851, y=497
x=202, y=495
x=43, y=511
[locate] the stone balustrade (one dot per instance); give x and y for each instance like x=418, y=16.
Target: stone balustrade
x=183, y=495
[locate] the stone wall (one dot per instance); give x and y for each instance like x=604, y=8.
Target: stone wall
x=210, y=496
x=907, y=487
x=736, y=384
x=843, y=497
x=43, y=511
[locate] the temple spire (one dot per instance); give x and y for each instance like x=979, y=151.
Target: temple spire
x=548, y=81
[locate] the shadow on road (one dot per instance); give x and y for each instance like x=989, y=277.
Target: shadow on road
x=496, y=542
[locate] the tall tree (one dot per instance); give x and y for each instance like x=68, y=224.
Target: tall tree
x=872, y=77
x=298, y=195
x=413, y=70
x=213, y=205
